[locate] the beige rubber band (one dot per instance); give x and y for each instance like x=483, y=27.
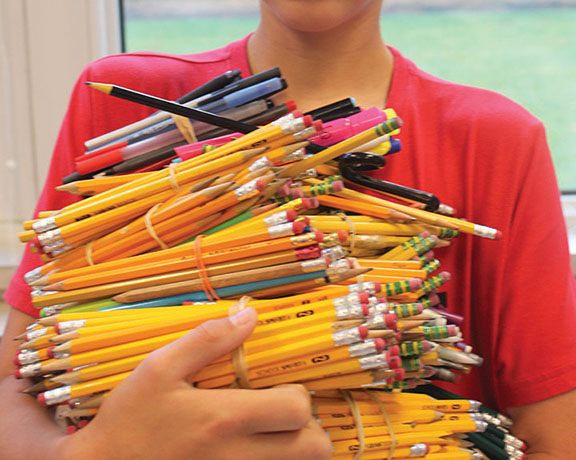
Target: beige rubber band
x=351, y=230
x=173, y=179
x=150, y=227
x=357, y=416
x=185, y=127
x=239, y=354
x=388, y=423
x=88, y=252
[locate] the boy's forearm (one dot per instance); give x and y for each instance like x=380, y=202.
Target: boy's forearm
x=27, y=430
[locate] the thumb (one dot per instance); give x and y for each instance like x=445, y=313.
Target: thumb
x=184, y=357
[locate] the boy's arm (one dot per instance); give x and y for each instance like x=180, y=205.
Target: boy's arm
x=547, y=427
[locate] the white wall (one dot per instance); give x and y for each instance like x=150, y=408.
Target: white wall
x=44, y=44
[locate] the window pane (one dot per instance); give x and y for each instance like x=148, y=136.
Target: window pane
x=527, y=54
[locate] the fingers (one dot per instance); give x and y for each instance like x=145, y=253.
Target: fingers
x=181, y=359
x=309, y=443
x=261, y=411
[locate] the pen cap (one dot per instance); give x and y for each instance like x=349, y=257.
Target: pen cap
x=99, y=162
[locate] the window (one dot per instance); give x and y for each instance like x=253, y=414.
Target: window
x=524, y=51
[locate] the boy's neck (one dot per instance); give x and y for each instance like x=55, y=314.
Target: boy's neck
x=363, y=69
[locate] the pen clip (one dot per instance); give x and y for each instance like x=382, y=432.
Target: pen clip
x=351, y=165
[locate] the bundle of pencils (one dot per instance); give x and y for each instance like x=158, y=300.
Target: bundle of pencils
x=345, y=283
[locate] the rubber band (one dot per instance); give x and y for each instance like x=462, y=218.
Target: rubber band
x=239, y=354
x=206, y=286
x=88, y=253
x=357, y=416
x=393, y=440
x=351, y=229
x=173, y=179
x=150, y=227
x=185, y=127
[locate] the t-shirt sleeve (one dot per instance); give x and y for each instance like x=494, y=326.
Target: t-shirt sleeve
x=533, y=338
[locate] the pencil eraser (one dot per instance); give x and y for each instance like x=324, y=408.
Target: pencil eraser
x=296, y=193
x=343, y=235
x=308, y=203
x=297, y=113
x=415, y=284
x=424, y=234
x=363, y=332
x=50, y=352
x=291, y=214
x=390, y=320
x=426, y=345
x=297, y=227
x=379, y=344
x=394, y=350
x=445, y=275
x=337, y=186
x=291, y=106
x=399, y=374
x=394, y=362
x=365, y=309
x=307, y=120
x=378, y=288
x=319, y=236
x=452, y=330
x=498, y=235
x=364, y=297
x=318, y=125
x=41, y=399
x=16, y=359
x=17, y=373
x=71, y=429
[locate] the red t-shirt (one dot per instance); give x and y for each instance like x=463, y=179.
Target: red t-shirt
x=476, y=150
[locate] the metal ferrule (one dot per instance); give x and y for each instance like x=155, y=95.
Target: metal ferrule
x=57, y=395
x=418, y=450
x=513, y=441
x=50, y=310
x=303, y=240
x=307, y=174
x=346, y=336
x=452, y=364
x=276, y=231
x=349, y=312
x=276, y=219
x=513, y=452
x=50, y=236
x=31, y=370
x=313, y=265
x=40, y=293
x=60, y=354
x=297, y=155
x=374, y=361
x=304, y=134
x=339, y=266
x=247, y=190
x=481, y=426
x=490, y=419
x=69, y=326
x=379, y=308
x=43, y=225
x=330, y=240
x=485, y=232
x=283, y=119
x=476, y=456
x=445, y=209
x=368, y=347
x=54, y=246
x=261, y=162
x=376, y=322
x=346, y=301
x=61, y=250
x=476, y=416
x=36, y=333
x=367, y=286
x=28, y=357
x=334, y=253
x=292, y=126
x=33, y=275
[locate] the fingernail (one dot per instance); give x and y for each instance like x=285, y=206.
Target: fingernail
x=243, y=316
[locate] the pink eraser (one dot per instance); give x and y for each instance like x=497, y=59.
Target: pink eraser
x=380, y=344
x=291, y=106
x=317, y=124
x=319, y=236
x=363, y=297
x=363, y=332
x=394, y=350
x=308, y=121
x=297, y=227
x=291, y=214
x=415, y=284
x=41, y=398
x=343, y=235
